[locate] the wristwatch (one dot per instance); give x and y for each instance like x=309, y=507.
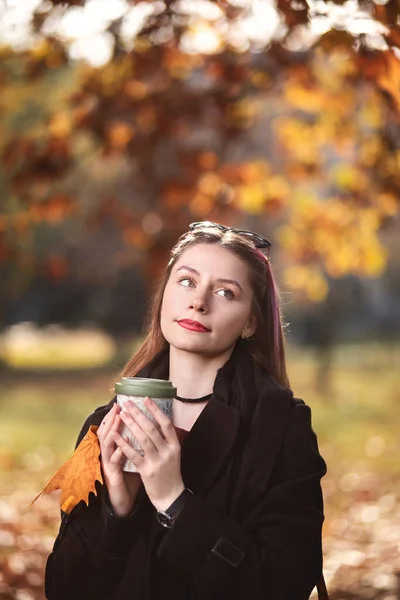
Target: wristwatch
x=167, y=517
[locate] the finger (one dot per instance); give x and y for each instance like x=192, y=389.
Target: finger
x=133, y=455
x=107, y=442
x=165, y=422
x=108, y=439
x=107, y=421
x=146, y=425
x=107, y=417
x=142, y=436
x=117, y=457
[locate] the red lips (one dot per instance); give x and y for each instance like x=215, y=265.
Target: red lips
x=193, y=326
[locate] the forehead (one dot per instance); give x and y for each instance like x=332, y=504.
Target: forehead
x=213, y=259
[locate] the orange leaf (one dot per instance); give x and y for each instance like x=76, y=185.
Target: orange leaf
x=389, y=80
x=76, y=477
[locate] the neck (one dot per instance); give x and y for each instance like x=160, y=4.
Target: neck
x=194, y=374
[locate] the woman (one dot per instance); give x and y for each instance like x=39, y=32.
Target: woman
x=227, y=500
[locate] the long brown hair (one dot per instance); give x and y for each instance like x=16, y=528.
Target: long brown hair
x=267, y=343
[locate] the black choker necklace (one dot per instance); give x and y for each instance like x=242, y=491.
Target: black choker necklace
x=194, y=400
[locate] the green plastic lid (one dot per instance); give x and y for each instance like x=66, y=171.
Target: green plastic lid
x=143, y=386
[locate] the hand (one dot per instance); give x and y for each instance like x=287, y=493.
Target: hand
x=122, y=487
x=160, y=466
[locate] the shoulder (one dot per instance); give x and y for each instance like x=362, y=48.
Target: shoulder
x=95, y=418
x=267, y=386
x=274, y=397
x=289, y=420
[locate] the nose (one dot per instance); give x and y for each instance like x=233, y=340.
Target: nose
x=199, y=305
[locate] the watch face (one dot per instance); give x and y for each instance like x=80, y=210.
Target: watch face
x=164, y=519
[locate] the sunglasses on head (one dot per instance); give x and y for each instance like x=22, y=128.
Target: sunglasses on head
x=258, y=241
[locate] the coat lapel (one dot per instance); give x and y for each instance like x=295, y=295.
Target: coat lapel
x=208, y=445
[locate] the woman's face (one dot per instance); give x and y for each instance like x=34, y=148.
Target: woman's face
x=207, y=301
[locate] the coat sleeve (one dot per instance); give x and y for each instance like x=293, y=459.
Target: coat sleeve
x=278, y=556
x=90, y=552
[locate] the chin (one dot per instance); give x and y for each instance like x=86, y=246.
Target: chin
x=189, y=346
x=199, y=347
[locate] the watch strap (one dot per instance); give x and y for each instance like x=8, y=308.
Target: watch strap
x=167, y=517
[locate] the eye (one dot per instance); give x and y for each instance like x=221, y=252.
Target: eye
x=189, y=281
x=228, y=294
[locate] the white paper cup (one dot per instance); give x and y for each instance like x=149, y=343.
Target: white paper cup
x=136, y=389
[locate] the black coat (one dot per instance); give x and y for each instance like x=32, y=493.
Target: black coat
x=252, y=529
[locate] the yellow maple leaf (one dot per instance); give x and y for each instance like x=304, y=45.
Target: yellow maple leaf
x=76, y=477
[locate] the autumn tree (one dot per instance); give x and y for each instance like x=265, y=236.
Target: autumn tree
x=284, y=116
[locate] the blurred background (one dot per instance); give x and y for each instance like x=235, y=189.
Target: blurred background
x=124, y=121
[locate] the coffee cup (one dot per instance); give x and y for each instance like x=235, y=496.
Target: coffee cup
x=136, y=389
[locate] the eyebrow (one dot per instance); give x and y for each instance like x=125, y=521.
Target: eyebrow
x=233, y=281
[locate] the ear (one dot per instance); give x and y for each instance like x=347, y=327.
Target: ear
x=250, y=327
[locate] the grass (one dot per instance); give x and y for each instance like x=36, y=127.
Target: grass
x=359, y=408
x=355, y=416
x=40, y=421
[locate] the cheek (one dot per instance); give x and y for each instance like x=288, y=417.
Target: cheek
x=236, y=318
x=171, y=304
x=170, y=301
x=165, y=316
